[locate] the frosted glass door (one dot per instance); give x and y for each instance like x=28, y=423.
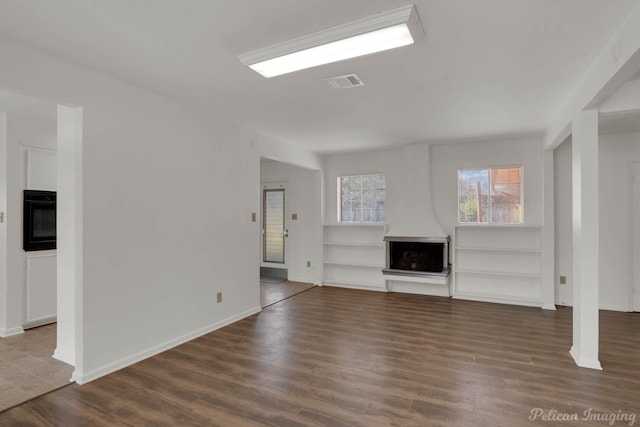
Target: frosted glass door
x=273, y=227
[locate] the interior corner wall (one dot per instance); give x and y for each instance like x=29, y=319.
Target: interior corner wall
x=3, y=224
x=617, y=152
x=305, y=233
x=162, y=220
x=564, y=223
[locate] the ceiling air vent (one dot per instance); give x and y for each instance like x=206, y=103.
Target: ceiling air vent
x=345, y=82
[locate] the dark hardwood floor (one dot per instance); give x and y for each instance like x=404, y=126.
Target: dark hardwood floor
x=339, y=357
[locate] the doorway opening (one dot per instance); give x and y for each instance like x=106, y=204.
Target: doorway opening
x=38, y=308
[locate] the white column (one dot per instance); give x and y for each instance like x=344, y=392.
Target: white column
x=585, y=239
x=548, y=234
x=69, y=236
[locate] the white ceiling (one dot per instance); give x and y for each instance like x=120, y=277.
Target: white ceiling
x=487, y=68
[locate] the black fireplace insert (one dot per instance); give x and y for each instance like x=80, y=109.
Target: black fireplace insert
x=417, y=256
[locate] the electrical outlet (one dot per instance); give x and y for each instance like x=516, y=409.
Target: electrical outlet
x=294, y=217
x=563, y=280
x=308, y=264
x=219, y=297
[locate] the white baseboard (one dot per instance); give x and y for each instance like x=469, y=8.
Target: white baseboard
x=498, y=300
x=83, y=378
x=612, y=307
x=608, y=307
x=67, y=358
x=39, y=322
x=551, y=307
x=301, y=279
x=11, y=331
x=355, y=286
x=584, y=363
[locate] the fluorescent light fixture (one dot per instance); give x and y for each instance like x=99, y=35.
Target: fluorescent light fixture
x=384, y=31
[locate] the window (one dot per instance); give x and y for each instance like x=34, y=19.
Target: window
x=490, y=196
x=361, y=198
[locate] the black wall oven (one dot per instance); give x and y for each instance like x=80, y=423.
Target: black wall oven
x=39, y=216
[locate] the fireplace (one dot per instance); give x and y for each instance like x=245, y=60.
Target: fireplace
x=417, y=256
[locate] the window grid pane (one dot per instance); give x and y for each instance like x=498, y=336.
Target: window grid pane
x=361, y=198
x=490, y=196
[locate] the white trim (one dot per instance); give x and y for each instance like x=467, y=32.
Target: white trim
x=308, y=280
x=585, y=363
x=11, y=331
x=498, y=300
x=614, y=307
x=64, y=357
x=25, y=315
x=83, y=378
x=39, y=322
x=362, y=287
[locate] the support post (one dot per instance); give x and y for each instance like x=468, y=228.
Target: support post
x=585, y=239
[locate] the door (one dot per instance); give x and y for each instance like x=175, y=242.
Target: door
x=274, y=227
x=635, y=206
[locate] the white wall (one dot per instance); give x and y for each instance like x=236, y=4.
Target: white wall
x=160, y=214
x=448, y=159
x=3, y=224
x=617, y=152
x=305, y=233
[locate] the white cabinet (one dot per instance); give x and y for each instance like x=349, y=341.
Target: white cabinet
x=497, y=264
x=354, y=256
x=40, y=289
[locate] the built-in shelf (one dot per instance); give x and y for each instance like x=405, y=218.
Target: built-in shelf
x=354, y=284
x=354, y=264
x=498, y=263
x=499, y=273
x=353, y=255
x=490, y=249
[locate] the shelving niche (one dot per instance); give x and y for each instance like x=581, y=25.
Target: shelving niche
x=497, y=264
x=354, y=256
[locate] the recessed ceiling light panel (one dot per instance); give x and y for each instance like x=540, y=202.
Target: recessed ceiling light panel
x=377, y=33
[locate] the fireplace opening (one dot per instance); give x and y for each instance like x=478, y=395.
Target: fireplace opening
x=417, y=256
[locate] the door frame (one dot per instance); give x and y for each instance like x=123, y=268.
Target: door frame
x=275, y=185
x=634, y=288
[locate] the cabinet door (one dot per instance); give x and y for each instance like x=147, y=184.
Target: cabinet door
x=40, y=290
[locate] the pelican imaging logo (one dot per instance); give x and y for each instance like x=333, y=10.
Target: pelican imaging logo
x=589, y=415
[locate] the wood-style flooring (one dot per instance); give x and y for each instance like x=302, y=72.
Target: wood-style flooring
x=341, y=357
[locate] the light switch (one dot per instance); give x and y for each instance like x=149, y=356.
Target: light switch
x=294, y=217
x=1, y=217
x=253, y=217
